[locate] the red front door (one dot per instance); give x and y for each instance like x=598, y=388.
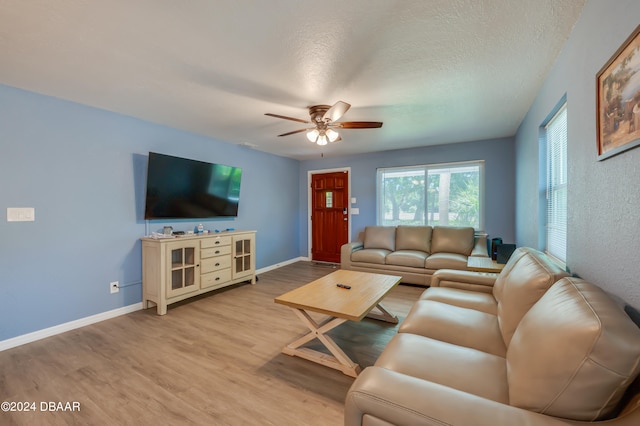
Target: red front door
x=329, y=215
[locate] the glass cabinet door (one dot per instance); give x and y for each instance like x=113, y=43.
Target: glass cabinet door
x=184, y=274
x=243, y=257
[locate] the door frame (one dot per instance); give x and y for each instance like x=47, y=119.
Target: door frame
x=309, y=203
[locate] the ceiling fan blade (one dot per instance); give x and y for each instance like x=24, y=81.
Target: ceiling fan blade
x=294, y=132
x=336, y=111
x=358, y=124
x=287, y=118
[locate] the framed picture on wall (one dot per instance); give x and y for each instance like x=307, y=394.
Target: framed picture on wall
x=618, y=100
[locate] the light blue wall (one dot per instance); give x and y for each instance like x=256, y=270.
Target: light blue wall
x=84, y=171
x=499, y=181
x=604, y=196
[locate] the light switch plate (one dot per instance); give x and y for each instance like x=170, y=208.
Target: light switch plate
x=21, y=214
x=355, y=210
x=353, y=200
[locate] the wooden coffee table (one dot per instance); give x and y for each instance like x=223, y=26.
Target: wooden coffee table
x=341, y=305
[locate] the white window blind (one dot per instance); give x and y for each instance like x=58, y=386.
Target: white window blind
x=556, y=138
x=437, y=194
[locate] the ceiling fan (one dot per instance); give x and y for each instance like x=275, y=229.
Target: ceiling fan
x=324, y=121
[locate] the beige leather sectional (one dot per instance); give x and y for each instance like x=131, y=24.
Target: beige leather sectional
x=414, y=252
x=536, y=347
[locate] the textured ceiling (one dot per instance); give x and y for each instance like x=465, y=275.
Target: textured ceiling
x=434, y=71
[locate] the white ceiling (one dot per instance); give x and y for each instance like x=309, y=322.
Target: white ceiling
x=434, y=71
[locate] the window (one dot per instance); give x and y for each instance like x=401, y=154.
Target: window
x=438, y=194
x=555, y=132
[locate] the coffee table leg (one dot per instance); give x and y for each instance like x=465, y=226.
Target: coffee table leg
x=337, y=360
x=384, y=315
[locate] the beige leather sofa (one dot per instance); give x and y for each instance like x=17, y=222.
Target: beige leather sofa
x=414, y=252
x=539, y=348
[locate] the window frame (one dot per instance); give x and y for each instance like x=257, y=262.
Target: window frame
x=556, y=165
x=426, y=167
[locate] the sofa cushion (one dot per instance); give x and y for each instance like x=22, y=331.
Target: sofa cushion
x=413, y=238
x=483, y=302
x=370, y=256
x=456, y=325
x=527, y=276
x=407, y=258
x=451, y=239
x=574, y=353
x=465, y=369
x=380, y=237
x=446, y=261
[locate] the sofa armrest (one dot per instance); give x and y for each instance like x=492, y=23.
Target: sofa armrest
x=396, y=398
x=464, y=280
x=349, y=248
x=346, y=250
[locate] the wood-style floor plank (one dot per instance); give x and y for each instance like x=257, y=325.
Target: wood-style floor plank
x=212, y=360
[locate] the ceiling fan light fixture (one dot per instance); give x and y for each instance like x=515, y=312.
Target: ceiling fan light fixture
x=312, y=135
x=323, y=118
x=332, y=135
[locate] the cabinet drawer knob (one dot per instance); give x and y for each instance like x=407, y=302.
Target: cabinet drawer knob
x=217, y=278
x=217, y=264
x=217, y=251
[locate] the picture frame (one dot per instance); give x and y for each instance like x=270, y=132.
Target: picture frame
x=618, y=100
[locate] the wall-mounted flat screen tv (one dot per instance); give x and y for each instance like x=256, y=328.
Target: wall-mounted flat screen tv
x=179, y=188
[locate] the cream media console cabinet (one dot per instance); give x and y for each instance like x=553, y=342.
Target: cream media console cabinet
x=175, y=269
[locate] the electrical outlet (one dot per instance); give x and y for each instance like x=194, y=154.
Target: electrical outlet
x=114, y=287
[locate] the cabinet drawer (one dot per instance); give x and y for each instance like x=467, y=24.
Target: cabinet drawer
x=215, y=251
x=215, y=278
x=215, y=263
x=215, y=242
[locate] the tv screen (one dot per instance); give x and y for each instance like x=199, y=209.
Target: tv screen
x=179, y=188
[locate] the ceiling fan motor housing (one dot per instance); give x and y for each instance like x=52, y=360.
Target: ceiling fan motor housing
x=317, y=112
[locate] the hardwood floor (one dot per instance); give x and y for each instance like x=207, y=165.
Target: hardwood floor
x=212, y=360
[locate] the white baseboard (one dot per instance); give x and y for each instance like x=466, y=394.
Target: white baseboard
x=280, y=265
x=72, y=325
x=67, y=326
